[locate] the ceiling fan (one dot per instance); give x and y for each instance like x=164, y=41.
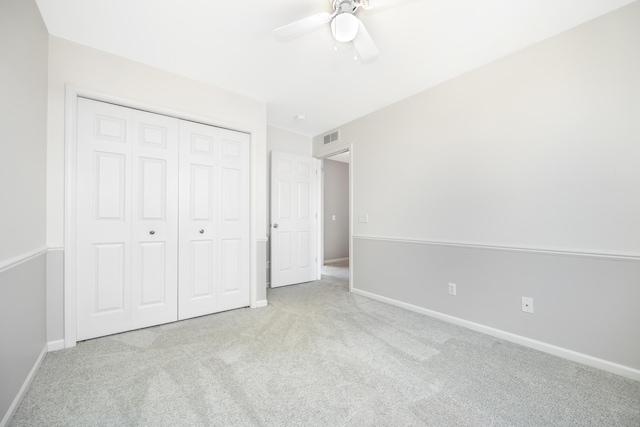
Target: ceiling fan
x=345, y=26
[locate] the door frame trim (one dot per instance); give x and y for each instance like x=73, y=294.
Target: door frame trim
x=72, y=93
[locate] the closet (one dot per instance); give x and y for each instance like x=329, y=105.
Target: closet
x=162, y=219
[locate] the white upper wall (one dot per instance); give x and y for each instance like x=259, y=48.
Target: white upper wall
x=23, y=129
x=537, y=150
x=289, y=142
x=100, y=72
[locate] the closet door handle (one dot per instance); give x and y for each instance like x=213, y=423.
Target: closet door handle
x=201, y=231
x=152, y=232
x=275, y=225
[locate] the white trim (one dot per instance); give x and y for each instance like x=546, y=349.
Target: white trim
x=71, y=109
x=319, y=223
x=574, y=356
x=320, y=218
x=325, y=156
x=22, y=258
x=70, y=217
x=561, y=252
x=334, y=261
x=25, y=385
x=262, y=239
x=259, y=304
x=55, y=345
x=351, y=175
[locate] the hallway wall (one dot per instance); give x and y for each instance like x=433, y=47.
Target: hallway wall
x=23, y=149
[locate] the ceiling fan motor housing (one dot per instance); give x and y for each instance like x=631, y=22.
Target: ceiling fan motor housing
x=344, y=24
x=342, y=6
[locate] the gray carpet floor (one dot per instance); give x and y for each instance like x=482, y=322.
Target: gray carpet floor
x=319, y=356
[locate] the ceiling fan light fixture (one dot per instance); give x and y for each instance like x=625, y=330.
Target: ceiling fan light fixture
x=344, y=27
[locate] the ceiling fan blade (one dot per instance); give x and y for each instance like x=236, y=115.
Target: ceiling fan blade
x=365, y=47
x=375, y=4
x=301, y=27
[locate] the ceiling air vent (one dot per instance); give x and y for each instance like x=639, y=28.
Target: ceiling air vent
x=332, y=137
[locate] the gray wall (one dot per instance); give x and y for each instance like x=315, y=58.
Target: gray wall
x=55, y=298
x=574, y=296
x=536, y=152
x=23, y=135
x=336, y=202
x=22, y=325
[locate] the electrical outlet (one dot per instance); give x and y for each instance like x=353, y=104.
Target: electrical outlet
x=452, y=289
x=364, y=218
x=527, y=304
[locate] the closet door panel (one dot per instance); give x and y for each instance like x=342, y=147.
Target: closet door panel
x=234, y=219
x=103, y=219
x=127, y=195
x=201, y=286
x=231, y=266
x=214, y=213
x=109, y=283
x=198, y=261
x=152, y=280
x=154, y=290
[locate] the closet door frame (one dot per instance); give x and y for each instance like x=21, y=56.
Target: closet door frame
x=72, y=93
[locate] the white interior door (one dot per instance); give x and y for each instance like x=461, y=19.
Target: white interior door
x=214, y=260
x=126, y=219
x=293, y=219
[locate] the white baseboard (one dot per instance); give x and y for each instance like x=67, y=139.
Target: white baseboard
x=55, y=345
x=16, y=402
x=574, y=356
x=259, y=304
x=334, y=261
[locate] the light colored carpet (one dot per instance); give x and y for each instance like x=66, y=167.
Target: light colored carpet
x=336, y=271
x=319, y=356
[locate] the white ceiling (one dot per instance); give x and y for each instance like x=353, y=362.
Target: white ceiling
x=229, y=44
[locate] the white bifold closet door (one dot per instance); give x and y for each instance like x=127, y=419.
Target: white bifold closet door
x=127, y=215
x=131, y=241
x=214, y=220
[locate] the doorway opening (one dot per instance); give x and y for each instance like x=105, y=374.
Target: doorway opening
x=335, y=227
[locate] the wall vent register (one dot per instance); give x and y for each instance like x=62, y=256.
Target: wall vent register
x=332, y=137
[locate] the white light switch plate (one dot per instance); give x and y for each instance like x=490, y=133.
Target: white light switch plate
x=363, y=218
